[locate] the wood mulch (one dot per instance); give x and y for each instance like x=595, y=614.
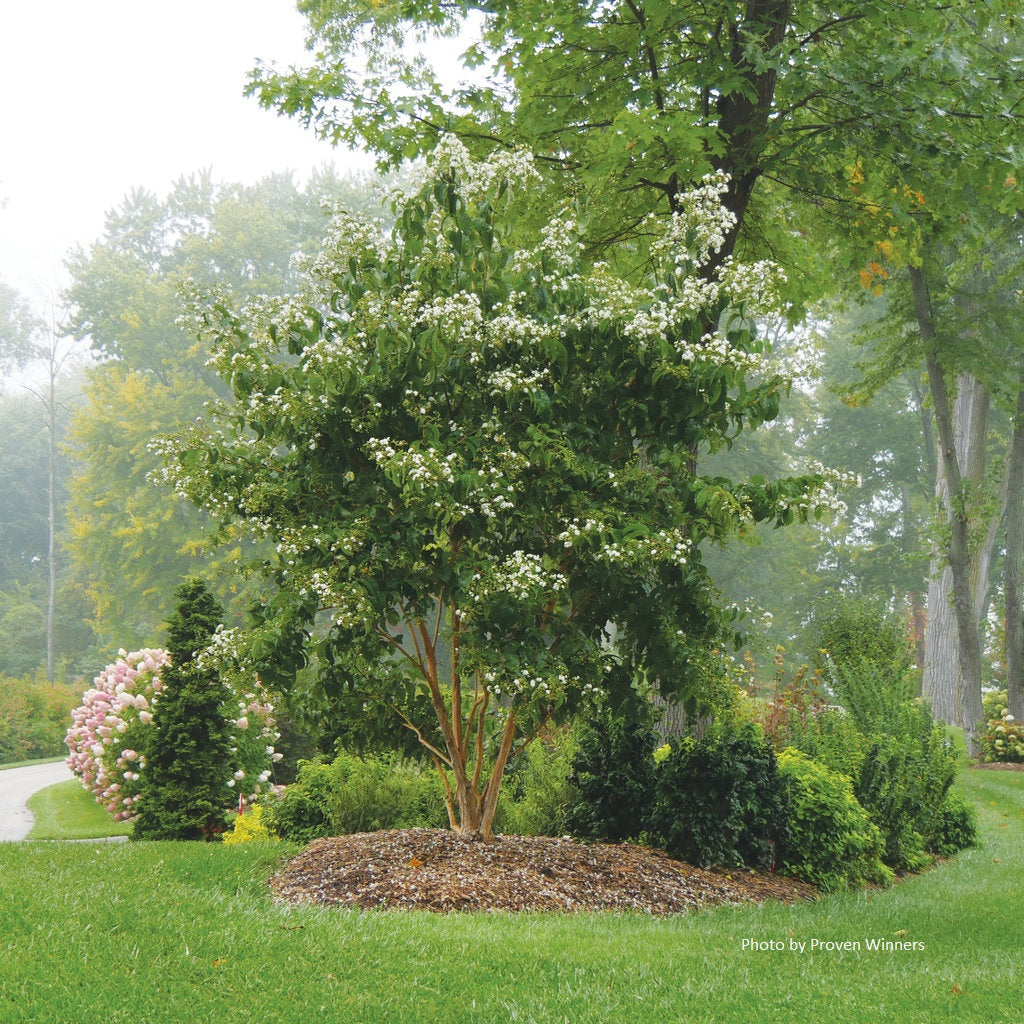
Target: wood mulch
x=1000, y=766
x=442, y=871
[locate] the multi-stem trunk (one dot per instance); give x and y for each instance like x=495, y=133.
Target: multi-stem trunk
x=471, y=790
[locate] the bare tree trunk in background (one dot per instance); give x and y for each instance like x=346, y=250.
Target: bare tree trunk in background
x=51, y=557
x=1014, y=582
x=942, y=680
x=963, y=569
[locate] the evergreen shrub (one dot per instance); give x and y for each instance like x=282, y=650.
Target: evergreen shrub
x=719, y=801
x=612, y=779
x=185, y=787
x=956, y=829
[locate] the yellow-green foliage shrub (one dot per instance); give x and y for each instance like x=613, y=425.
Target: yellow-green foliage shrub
x=830, y=842
x=250, y=826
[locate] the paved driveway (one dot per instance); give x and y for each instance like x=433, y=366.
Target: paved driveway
x=16, y=786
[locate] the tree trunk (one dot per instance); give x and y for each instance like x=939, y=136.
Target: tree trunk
x=965, y=685
x=942, y=681
x=1015, y=567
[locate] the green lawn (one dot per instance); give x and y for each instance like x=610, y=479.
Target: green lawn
x=169, y=933
x=67, y=811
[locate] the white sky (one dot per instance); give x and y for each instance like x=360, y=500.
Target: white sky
x=100, y=96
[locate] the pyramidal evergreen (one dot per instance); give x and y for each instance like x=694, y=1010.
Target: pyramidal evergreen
x=184, y=791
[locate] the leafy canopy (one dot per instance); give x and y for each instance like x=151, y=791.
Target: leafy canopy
x=475, y=454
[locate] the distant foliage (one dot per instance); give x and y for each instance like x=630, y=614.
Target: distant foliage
x=34, y=717
x=860, y=630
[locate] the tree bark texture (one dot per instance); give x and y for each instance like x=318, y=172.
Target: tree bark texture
x=1014, y=583
x=965, y=685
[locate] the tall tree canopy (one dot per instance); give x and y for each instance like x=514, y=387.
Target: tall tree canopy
x=633, y=101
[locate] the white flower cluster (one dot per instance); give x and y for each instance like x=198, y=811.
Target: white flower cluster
x=422, y=467
x=650, y=315
x=699, y=227
x=508, y=327
x=755, y=287
x=671, y=546
x=575, y=529
x=457, y=315
x=825, y=496
x=512, y=380
x=225, y=650
x=521, y=576
x=558, y=253
x=531, y=684
x=478, y=179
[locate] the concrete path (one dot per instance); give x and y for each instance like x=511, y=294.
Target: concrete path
x=16, y=786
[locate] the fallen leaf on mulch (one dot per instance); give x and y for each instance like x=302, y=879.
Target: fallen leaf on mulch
x=440, y=870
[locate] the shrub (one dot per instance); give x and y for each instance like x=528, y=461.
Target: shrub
x=800, y=716
x=304, y=811
x=34, y=716
x=250, y=826
x=1003, y=736
x=891, y=792
x=107, y=739
x=539, y=792
x=720, y=801
x=383, y=791
x=909, y=764
x=830, y=840
x=612, y=779
x=861, y=630
x=956, y=829
x=357, y=794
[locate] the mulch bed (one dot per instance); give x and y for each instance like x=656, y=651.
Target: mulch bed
x=1000, y=766
x=442, y=871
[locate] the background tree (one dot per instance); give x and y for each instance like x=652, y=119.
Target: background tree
x=474, y=455
x=130, y=542
x=769, y=91
x=184, y=791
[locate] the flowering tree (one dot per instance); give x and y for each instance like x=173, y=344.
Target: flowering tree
x=476, y=456
x=111, y=728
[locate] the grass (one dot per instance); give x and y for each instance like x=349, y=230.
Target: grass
x=164, y=933
x=25, y=764
x=67, y=811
